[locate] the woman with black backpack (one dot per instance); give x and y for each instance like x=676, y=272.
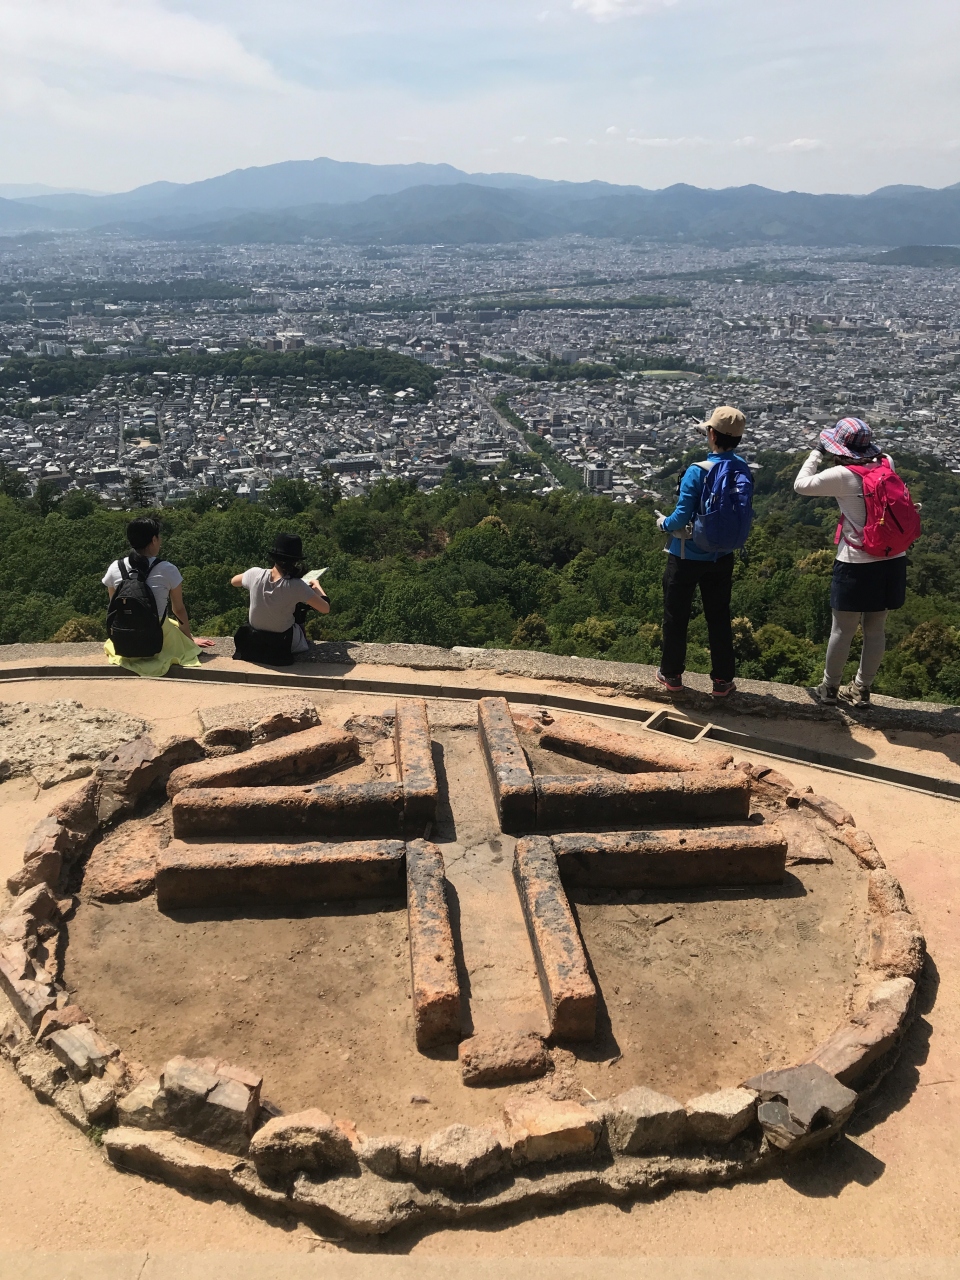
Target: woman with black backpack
x=144, y=590
x=279, y=600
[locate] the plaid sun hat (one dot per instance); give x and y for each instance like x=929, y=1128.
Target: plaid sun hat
x=850, y=438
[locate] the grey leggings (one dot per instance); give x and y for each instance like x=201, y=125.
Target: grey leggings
x=841, y=638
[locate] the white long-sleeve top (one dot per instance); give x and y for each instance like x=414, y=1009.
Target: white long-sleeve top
x=847, y=487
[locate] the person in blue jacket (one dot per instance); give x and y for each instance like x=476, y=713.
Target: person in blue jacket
x=688, y=568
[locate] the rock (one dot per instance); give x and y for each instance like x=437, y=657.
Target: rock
x=240, y=724
x=78, y=813
x=390, y=1157
x=98, y=1099
x=805, y=844
x=137, y=1109
x=778, y=1125
x=81, y=1050
x=897, y=946
x=41, y=1072
x=125, y=776
x=502, y=1057
x=525, y=723
x=208, y=1105
x=30, y=999
x=884, y=894
x=309, y=752
x=365, y=1206
x=309, y=1141
x=627, y=753
x=49, y=835
x=177, y=750
x=720, y=1116
x=171, y=1159
x=123, y=871
x=68, y=1102
x=642, y=1120
x=370, y=729
x=861, y=845
x=829, y=809
x=771, y=778
x=59, y=1019
x=52, y=775
x=793, y=800
x=541, y=1129
x=869, y=1034
x=460, y=1157
x=815, y=1101
x=42, y=868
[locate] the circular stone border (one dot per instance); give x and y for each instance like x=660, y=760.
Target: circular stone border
x=310, y=1166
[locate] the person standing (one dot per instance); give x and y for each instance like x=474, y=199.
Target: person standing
x=711, y=520
x=870, y=570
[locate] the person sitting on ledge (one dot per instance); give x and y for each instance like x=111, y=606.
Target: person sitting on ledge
x=143, y=590
x=279, y=599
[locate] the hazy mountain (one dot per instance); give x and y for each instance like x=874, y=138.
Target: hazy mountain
x=29, y=190
x=420, y=203
x=469, y=213
x=920, y=255
x=274, y=186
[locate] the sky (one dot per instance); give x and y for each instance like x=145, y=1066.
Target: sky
x=813, y=95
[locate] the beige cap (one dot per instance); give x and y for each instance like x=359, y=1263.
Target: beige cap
x=727, y=420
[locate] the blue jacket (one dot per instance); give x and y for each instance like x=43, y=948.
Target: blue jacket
x=688, y=503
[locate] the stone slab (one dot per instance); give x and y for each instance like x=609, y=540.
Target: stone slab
x=689, y=858
x=433, y=967
x=541, y=1129
x=568, y=990
x=869, y=1034
x=418, y=776
x=601, y=802
x=309, y=751
x=502, y=1057
x=238, y=724
x=123, y=872
x=507, y=766
x=366, y=810
x=213, y=875
x=175, y=1160
x=626, y=753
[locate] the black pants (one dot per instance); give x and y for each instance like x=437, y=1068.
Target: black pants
x=715, y=580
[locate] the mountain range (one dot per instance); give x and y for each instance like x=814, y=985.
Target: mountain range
x=437, y=204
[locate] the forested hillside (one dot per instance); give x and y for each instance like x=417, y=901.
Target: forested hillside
x=472, y=564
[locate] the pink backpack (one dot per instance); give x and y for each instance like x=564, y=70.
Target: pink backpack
x=893, y=522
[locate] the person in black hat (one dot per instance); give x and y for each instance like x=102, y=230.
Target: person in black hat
x=279, y=599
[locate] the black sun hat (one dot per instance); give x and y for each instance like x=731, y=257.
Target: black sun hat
x=287, y=546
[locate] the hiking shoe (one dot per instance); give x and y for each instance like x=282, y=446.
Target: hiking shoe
x=826, y=694
x=673, y=684
x=723, y=688
x=858, y=694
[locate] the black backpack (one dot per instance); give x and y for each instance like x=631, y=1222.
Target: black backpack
x=133, y=622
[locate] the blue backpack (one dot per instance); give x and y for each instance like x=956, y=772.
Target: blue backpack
x=725, y=517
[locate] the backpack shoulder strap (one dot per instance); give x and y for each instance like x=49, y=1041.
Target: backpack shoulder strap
x=124, y=571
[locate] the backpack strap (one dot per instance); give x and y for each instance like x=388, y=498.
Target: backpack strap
x=124, y=572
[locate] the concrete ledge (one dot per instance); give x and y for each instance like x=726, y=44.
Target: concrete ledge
x=308, y=751
x=673, y=859
x=418, y=777
x=229, y=875
x=510, y=775
x=568, y=990
x=368, y=810
x=433, y=968
x=606, y=801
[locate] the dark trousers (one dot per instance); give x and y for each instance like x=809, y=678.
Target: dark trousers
x=715, y=580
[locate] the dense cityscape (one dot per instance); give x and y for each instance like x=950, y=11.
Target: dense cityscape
x=572, y=362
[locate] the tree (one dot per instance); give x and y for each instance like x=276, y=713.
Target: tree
x=138, y=491
x=531, y=633
x=46, y=498
x=12, y=483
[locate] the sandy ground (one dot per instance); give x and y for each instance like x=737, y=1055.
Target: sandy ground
x=887, y=1189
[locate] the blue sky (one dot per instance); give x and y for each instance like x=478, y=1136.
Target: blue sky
x=818, y=95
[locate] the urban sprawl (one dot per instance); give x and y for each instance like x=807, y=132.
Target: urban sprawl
x=797, y=339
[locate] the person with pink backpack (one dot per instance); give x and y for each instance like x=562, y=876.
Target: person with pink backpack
x=878, y=523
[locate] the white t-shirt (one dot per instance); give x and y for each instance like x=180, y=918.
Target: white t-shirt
x=161, y=580
x=272, y=603
x=847, y=487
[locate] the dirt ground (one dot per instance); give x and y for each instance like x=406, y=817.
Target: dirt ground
x=887, y=1189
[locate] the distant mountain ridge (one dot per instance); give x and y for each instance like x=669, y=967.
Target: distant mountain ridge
x=426, y=204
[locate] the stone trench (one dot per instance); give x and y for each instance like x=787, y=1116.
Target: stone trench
x=259, y=819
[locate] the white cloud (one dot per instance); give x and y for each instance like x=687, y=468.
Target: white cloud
x=557, y=142
x=611, y=10
x=613, y=131
x=799, y=144
x=748, y=141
